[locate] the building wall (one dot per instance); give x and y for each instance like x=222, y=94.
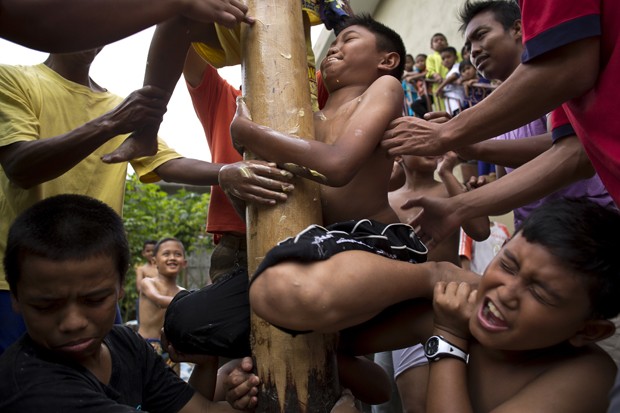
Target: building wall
x=417, y=20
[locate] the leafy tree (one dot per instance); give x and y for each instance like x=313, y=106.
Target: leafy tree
x=151, y=213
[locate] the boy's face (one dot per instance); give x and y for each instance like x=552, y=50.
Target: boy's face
x=170, y=258
x=147, y=252
x=438, y=43
x=69, y=306
x=409, y=62
x=420, y=63
x=354, y=48
x=495, y=52
x=448, y=59
x=528, y=299
x=468, y=72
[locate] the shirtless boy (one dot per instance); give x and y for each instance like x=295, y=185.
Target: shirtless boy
x=157, y=293
x=148, y=269
x=361, y=72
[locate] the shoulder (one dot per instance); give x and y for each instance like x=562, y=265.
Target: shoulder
x=386, y=88
x=30, y=380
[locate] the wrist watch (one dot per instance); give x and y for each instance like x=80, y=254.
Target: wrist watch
x=437, y=347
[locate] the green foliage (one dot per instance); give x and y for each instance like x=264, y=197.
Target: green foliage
x=150, y=213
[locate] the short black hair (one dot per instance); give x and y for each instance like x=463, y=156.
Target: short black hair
x=387, y=39
x=449, y=49
x=584, y=236
x=421, y=55
x=465, y=63
x=507, y=12
x=161, y=241
x=66, y=227
x=148, y=242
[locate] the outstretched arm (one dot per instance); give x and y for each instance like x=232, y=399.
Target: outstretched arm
x=565, y=162
x=74, y=25
x=476, y=227
x=337, y=162
x=563, y=74
x=31, y=162
x=148, y=289
x=510, y=153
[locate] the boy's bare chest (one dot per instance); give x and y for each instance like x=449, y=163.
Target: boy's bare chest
x=492, y=383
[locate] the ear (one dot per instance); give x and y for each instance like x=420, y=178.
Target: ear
x=184, y=263
x=121, y=293
x=516, y=30
x=593, y=331
x=389, y=62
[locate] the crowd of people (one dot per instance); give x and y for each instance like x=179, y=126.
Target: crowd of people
x=511, y=320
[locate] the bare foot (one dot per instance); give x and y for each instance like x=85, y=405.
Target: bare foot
x=136, y=145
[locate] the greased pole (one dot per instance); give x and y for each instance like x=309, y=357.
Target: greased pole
x=299, y=373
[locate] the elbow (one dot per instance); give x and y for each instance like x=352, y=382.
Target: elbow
x=338, y=174
x=23, y=180
x=584, y=169
x=479, y=233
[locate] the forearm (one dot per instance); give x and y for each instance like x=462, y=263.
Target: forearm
x=448, y=376
x=509, y=153
x=476, y=227
x=189, y=171
x=532, y=90
x=204, y=377
x=73, y=25
x=322, y=161
x=564, y=163
x=30, y=163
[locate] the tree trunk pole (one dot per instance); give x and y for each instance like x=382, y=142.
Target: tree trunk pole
x=299, y=373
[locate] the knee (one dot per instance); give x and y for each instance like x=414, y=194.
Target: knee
x=286, y=289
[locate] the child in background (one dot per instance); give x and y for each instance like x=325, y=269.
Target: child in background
x=146, y=270
x=450, y=89
x=66, y=282
x=476, y=255
x=410, y=364
x=469, y=76
x=408, y=87
x=436, y=71
x=157, y=293
x=420, y=106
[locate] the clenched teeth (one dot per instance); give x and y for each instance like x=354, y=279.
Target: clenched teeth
x=494, y=311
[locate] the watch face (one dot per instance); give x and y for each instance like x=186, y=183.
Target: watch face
x=432, y=346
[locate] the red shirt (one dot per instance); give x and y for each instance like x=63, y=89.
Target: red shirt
x=550, y=24
x=215, y=105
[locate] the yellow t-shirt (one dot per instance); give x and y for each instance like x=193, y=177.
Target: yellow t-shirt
x=37, y=103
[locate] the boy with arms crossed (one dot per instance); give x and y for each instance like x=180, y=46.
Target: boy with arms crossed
x=157, y=293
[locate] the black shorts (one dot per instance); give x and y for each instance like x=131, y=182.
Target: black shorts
x=215, y=320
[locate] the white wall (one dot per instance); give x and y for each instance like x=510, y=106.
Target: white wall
x=415, y=20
